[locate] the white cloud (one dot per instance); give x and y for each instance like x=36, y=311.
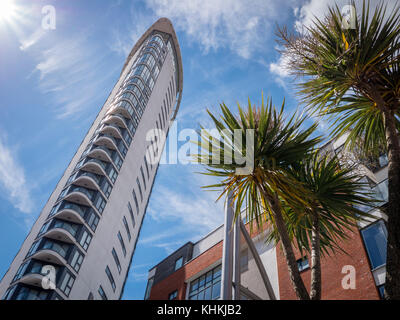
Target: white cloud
x=194, y=211
x=238, y=25
x=29, y=41
x=318, y=8
x=70, y=71
x=13, y=182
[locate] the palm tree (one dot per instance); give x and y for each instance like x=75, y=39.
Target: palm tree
x=352, y=75
x=331, y=214
x=278, y=144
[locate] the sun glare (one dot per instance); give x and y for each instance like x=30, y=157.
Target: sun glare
x=7, y=9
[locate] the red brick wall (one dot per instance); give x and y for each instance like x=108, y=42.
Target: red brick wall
x=176, y=281
x=332, y=276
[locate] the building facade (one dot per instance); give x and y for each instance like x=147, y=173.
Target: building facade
x=194, y=270
x=84, y=238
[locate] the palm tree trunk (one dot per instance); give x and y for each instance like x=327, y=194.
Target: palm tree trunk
x=295, y=278
x=392, y=284
x=315, y=291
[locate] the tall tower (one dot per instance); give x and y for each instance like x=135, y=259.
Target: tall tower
x=86, y=234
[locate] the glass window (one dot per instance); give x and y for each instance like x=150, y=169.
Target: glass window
x=100, y=203
x=140, y=189
x=116, y=259
x=9, y=293
x=111, y=278
x=131, y=214
x=128, y=232
x=76, y=260
x=67, y=283
x=302, y=264
x=148, y=288
x=206, y=287
x=102, y=293
x=147, y=167
x=143, y=178
x=85, y=239
x=93, y=220
x=375, y=241
x=121, y=241
x=178, y=263
x=173, y=295
x=21, y=271
x=136, y=201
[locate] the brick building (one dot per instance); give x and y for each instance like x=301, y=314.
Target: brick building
x=194, y=270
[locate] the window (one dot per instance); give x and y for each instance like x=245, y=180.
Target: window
x=111, y=278
x=147, y=167
x=178, y=263
x=173, y=295
x=90, y=297
x=100, y=203
x=161, y=121
x=136, y=201
x=375, y=241
x=163, y=115
x=127, y=228
x=206, y=287
x=302, y=264
x=21, y=271
x=67, y=283
x=85, y=239
x=76, y=260
x=140, y=189
x=143, y=178
x=102, y=293
x=93, y=220
x=116, y=259
x=148, y=288
x=131, y=214
x=121, y=241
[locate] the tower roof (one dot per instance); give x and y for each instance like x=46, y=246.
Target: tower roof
x=163, y=25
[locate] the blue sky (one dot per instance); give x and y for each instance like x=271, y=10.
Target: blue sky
x=53, y=83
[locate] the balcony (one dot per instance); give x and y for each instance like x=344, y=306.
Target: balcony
x=32, y=272
x=101, y=152
x=107, y=140
x=75, y=213
x=78, y=194
x=113, y=130
x=62, y=230
x=50, y=250
x=26, y=292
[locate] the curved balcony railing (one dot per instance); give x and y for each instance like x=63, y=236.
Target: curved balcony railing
x=109, y=152
x=120, y=120
x=80, y=173
x=25, y=292
x=61, y=249
x=87, y=214
x=101, y=163
x=109, y=136
x=33, y=266
x=118, y=129
x=71, y=228
x=73, y=193
x=90, y=194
